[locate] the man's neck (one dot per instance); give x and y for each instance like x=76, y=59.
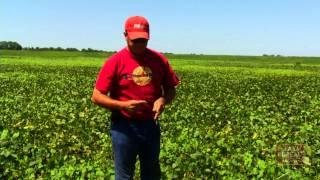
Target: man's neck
x=138, y=56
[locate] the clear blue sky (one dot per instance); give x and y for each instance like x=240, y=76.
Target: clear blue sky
x=232, y=27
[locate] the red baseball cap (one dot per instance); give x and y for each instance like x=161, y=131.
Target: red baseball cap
x=137, y=27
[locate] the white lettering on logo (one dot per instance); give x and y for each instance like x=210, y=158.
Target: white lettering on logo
x=138, y=26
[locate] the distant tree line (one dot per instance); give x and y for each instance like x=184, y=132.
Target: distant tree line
x=271, y=55
x=60, y=49
x=10, y=45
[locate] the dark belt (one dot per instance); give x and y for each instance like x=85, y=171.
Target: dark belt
x=117, y=116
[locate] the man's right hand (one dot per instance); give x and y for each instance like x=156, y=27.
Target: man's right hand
x=133, y=105
x=107, y=102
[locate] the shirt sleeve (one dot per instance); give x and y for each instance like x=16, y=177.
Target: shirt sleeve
x=170, y=78
x=107, y=76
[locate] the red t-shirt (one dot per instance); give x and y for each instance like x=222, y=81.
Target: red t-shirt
x=129, y=78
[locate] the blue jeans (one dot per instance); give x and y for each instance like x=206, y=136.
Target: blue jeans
x=132, y=138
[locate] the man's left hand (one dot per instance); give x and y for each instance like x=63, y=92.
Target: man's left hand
x=158, y=107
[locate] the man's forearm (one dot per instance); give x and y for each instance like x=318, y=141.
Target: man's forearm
x=106, y=101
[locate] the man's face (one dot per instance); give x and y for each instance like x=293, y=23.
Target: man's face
x=137, y=46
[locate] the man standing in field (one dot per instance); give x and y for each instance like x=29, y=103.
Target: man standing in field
x=135, y=84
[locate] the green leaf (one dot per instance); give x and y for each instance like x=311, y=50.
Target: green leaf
x=4, y=134
x=15, y=135
x=306, y=161
x=261, y=164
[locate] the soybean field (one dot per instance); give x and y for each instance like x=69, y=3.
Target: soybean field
x=234, y=117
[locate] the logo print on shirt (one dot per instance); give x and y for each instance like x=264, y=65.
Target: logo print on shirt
x=142, y=75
